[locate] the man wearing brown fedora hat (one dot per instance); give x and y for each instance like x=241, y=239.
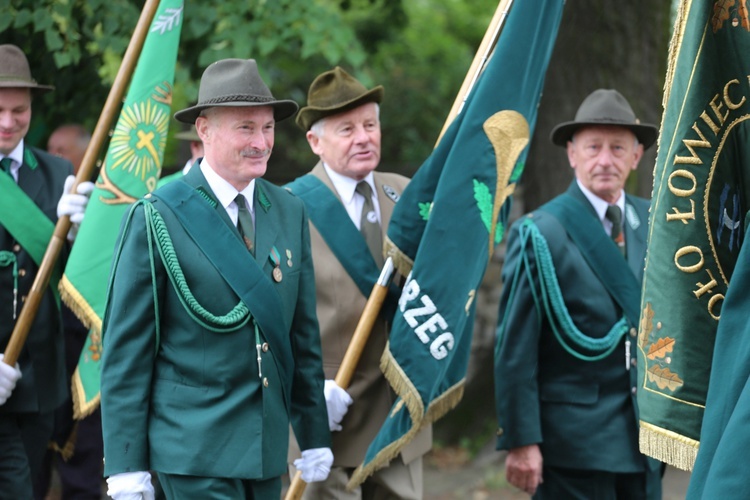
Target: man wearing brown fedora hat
x=565, y=377
x=34, y=189
x=350, y=205
x=211, y=343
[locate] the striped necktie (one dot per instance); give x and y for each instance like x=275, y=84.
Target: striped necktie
x=245, y=223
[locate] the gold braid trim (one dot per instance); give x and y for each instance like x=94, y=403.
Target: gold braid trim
x=82, y=408
x=80, y=307
x=410, y=397
x=401, y=261
x=674, y=48
x=668, y=446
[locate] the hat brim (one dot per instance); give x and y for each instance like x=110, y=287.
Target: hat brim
x=281, y=109
x=26, y=85
x=310, y=114
x=645, y=133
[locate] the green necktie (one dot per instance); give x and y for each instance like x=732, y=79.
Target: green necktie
x=5, y=164
x=245, y=223
x=614, y=214
x=369, y=225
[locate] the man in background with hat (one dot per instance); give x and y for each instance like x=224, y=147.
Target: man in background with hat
x=211, y=344
x=350, y=204
x=196, y=153
x=34, y=187
x=565, y=375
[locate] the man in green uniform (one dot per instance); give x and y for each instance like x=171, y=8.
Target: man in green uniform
x=350, y=205
x=565, y=376
x=211, y=343
x=33, y=194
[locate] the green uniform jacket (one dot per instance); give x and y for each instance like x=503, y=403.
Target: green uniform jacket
x=192, y=401
x=581, y=413
x=42, y=387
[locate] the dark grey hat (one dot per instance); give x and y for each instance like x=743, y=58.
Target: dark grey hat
x=333, y=92
x=605, y=107
x=188, y=135
x=235, y=83
x=14, y=70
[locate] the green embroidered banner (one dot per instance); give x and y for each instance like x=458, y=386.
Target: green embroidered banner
x=447, y=223
x=131, y=168
x=699, y=200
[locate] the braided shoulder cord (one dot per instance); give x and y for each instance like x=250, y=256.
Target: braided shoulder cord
x=236, y=318
x=570, y=337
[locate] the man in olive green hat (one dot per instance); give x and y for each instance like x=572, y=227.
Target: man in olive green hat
x=565, y=377
x=350, y=205
x=34, y=188
x=211, y=344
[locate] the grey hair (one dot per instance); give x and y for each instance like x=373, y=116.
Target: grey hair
x=317, y=128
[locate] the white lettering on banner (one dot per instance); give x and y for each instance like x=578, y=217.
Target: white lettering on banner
x=435, y=323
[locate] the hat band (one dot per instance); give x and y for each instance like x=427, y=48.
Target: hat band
x=237, y=98
x=16, y=78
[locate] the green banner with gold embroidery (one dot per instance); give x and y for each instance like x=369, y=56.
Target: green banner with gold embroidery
x=697, y=227
x=447, y=224
x=131, y=169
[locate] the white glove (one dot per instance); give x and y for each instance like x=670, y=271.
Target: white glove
x=315, y=464
x=9, y=375
x=130, y=486
x=74, y=205
x=337, y=404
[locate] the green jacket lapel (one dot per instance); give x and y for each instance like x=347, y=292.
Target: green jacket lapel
x=266, y=225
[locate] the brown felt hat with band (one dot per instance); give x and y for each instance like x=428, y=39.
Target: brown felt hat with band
x=605, y=107
x=235, y=83
x=333, y=92
x=14, y=70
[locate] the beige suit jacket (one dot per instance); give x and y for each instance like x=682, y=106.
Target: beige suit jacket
x=339, y=306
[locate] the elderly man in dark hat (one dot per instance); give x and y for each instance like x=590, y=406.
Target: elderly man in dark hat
x=350, y=205
x=211, y=343
x=34, y=189
x=565, y=377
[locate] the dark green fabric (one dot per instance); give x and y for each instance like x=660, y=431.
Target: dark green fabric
x=721, y=466
x=210, y=488
x=700, y=199
x=579, y=412
x=200, y=395
x=42, y=387
x=370, y=229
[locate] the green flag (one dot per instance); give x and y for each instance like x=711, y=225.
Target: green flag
x=697, y=227
x=447, y=223
x=131, y=168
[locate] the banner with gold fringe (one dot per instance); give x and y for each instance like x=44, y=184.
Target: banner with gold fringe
x=699, y=201
x=447, y=223
x=131, y=168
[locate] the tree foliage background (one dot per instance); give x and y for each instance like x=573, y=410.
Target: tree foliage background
x=418, y=50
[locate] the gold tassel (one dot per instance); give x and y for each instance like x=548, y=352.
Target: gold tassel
x=668, y=446
x=401, y=261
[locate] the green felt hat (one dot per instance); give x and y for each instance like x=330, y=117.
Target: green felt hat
x=333, y=92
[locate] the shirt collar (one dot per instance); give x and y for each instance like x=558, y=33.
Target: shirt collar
x=17, y=156
x=600, y=205
x=224, y=191
x=346, y=186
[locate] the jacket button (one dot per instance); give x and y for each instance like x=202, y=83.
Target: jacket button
x=633, y=332
x=265, y=382
x=22, y=272
x=500, y=431
x=633, y=361
x=265, y=347
x=633, y=390
x=16, y=248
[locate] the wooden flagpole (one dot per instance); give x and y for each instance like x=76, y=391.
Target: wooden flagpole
x=379, y=291
x=110, y=110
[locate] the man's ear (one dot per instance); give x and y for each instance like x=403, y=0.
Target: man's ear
x=314, y=142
